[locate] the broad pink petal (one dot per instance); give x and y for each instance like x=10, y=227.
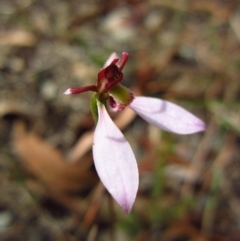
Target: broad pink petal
x=166, y=115
x=114, y=161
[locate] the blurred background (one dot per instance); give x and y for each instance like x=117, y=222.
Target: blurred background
x=184, y=51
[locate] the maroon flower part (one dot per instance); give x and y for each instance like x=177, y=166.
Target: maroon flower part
x=108, y=77
x=108, y=83
x=73, y=91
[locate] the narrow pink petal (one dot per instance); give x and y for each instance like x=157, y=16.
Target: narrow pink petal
x=166, y=115
x=114, y=161
x=113, y=57
x=78, y=90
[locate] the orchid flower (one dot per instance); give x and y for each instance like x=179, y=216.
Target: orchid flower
x=113, y=157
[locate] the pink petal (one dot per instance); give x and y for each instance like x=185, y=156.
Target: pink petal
x=78, y=90
x=114, y=161
x=167, y=115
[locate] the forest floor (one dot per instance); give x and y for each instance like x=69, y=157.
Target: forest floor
x=186, y=52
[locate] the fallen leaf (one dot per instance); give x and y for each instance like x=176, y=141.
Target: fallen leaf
x=49, y=165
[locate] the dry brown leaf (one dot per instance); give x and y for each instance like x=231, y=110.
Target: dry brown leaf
x=49, y=165
x=94, y=205
x=188, y=232
x=10, y=107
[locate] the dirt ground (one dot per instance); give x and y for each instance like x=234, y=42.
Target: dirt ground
x=184, y=51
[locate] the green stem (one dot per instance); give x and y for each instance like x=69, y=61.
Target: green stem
x=94, y=108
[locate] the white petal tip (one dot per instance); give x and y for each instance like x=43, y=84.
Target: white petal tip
x=67, y=92
x=127, y=210
x=125, y=207
x=203, y=127
x=126, y=202
x=200, y=126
